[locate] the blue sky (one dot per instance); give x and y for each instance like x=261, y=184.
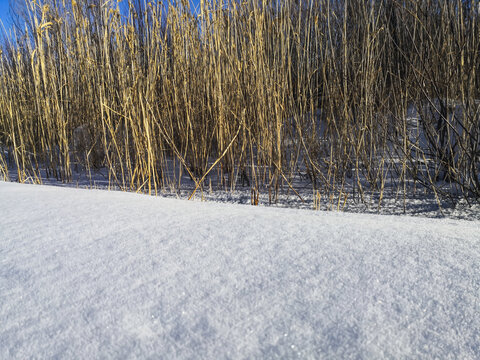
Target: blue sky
x=4, y=15
x=6, y=19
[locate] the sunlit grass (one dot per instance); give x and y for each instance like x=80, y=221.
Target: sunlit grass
x=247, y=93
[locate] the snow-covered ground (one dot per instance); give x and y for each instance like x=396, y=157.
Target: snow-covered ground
x=97, y=274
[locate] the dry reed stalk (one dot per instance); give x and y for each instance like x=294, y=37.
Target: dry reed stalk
x=249, y=91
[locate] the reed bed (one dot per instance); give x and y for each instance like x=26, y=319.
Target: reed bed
x=357, y=97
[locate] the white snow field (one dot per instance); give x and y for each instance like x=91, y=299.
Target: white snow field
x=90, y=274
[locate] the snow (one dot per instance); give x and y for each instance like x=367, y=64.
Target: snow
x=98, y=274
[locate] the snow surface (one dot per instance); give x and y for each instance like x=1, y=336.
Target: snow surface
x=97, y=274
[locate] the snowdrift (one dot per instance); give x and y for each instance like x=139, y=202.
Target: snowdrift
x=97, y=274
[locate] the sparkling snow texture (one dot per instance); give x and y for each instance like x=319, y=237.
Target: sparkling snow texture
x=97, y=274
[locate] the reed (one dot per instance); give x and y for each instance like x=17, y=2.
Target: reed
x=247, y=93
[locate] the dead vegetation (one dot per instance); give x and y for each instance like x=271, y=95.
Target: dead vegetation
x=357, y=96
